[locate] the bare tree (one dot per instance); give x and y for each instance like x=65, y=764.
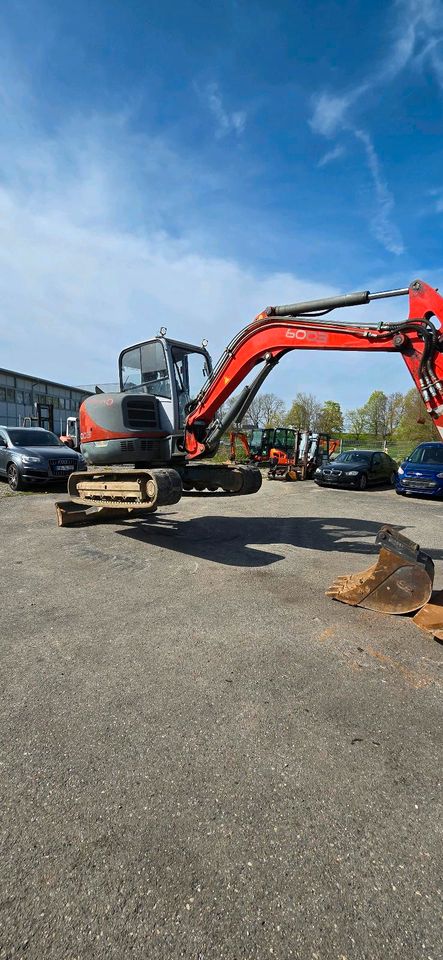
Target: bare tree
x=266, y=410
x=273, y=410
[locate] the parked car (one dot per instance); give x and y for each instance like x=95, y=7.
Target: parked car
x=357, y=468
x=422, y=471
x=35, y=455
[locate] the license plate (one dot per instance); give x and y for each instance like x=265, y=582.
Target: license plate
x=66, y=468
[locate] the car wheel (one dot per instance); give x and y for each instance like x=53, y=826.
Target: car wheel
x=363, y=482
x=14, y=476
x=393, y=478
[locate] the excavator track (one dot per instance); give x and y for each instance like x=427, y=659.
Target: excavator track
x=108, y=495
x=239, y=480
x=128, y=489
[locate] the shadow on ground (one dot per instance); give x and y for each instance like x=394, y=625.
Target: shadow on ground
x=234, y=541
x=33, y=489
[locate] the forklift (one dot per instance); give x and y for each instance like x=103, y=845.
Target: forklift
x=310, y=451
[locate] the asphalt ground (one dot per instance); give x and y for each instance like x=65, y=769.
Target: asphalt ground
x=205, y=757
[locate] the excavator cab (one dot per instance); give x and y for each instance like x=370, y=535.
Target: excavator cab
x=143, y=424
x=263, y=441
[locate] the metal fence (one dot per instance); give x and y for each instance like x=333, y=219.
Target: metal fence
x=397, y=449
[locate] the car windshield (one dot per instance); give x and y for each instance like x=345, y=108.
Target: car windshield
x=428, y=454
x=353, y=456
x=25, y=437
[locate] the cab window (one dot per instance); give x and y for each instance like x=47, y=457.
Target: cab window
x=280, y=439
x=145, y=369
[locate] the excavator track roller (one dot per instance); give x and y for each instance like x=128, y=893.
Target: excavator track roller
x=239, y=480
x=399, y=582
x=134, y=489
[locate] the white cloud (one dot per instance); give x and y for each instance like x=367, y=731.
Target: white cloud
x=385, y=231
x=331, y=155
x=416, y=41
x=330, y=117
x=73, y=295
x=76, y=285
x=226, y=122
x=330, y=111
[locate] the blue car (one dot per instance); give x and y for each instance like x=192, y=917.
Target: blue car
x=422, y=471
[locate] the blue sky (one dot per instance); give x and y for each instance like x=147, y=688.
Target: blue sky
x=185, y=164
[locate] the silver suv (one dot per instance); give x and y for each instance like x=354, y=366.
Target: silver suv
x=35, y=455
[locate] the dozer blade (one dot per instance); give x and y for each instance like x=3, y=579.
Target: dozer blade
x=430, y=618
x=400, y=581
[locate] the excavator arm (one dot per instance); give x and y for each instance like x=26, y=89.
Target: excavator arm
x=306, y=326
x=233, y=437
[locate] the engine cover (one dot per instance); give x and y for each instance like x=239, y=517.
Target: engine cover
x=122, y=428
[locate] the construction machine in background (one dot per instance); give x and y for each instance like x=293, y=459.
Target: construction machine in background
x=234, y=436
x=290, y=454
x=167, y=429
x=311, y=450
x=264, y=441
x=265, y=444
x=71, y=438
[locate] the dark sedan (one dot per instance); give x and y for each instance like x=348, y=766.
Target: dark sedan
x=357, y=468
x=34, y=455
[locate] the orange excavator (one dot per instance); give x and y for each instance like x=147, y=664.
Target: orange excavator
x=265, y=443
x=167, y=429
x=243, y=439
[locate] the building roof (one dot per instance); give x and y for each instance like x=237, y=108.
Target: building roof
x=37, y=380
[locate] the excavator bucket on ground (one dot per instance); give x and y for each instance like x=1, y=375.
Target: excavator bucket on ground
x=400, y=581
x=430, y=618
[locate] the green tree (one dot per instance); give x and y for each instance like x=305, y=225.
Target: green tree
x=395, y=403
x=415, y=423
x=304, y=412
x=331, y=417
x=355, y=420
x=374, y=411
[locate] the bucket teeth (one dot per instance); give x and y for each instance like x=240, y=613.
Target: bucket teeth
x=400, y=581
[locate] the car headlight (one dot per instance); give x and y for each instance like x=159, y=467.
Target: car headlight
x=400, y=471
x=352, y=473
x=318, y=470
x=440, y=476
x=26, y=459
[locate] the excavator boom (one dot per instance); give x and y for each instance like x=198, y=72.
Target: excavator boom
x=305, y=326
